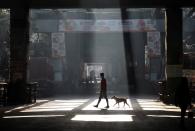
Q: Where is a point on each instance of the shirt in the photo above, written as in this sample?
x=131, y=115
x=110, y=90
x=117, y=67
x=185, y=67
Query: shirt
x=103, y=84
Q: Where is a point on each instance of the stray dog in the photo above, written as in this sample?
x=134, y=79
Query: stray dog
x=120, y=99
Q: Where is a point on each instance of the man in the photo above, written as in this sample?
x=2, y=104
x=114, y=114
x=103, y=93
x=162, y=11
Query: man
x=183, y=99
x=103, y=90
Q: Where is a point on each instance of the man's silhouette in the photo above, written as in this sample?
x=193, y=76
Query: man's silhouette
x=182, y=98
x=103, y=91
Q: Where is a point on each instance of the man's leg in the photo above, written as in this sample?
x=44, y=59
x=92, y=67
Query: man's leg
x=105, y=95
x=183, y=112
x=107, y=103
x=100, y=97
x=98, y=102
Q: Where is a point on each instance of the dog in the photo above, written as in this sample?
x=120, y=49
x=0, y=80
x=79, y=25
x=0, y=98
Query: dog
x=119, y=100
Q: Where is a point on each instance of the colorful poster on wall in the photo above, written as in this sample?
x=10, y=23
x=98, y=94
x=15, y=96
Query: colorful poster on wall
x=58, y=45
x=153, y=44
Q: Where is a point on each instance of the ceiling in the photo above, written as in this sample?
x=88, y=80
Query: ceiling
x=96, y=3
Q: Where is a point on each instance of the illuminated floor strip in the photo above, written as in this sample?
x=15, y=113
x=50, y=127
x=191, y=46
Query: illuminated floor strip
x=153, y=105
x=33, y=116
x=111, y=103
x=103, y=118
x=57, y=105
x=25, y=106
x=167, y=116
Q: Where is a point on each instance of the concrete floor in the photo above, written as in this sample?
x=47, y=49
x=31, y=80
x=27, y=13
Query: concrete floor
x=78, y=113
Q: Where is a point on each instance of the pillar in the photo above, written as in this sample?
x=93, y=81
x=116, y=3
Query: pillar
x=19, y=41
x=174, y=55
x=129, y=56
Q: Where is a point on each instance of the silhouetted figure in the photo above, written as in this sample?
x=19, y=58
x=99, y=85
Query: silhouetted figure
x=183, y=99
x=103, y=91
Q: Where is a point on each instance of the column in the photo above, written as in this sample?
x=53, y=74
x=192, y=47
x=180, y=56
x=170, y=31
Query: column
x=129, y=56
x=174, y=56
x=19, y=41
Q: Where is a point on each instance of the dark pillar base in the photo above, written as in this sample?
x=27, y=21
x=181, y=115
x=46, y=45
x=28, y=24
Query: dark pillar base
x=17, y=93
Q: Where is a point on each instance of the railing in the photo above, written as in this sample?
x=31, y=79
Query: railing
x=32, y=91
x=162, y=90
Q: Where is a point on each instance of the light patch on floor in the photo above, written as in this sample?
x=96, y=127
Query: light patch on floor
x=57, y=105
x=104, y=118
x=41, y=100
x=33, y=116
x=168, y=116
x=24, y=106
x=18, y=108
x=103, y=104
x=153, y=105
x=164, y=116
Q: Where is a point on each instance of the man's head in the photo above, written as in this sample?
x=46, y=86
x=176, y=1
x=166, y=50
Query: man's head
x=102, y=75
